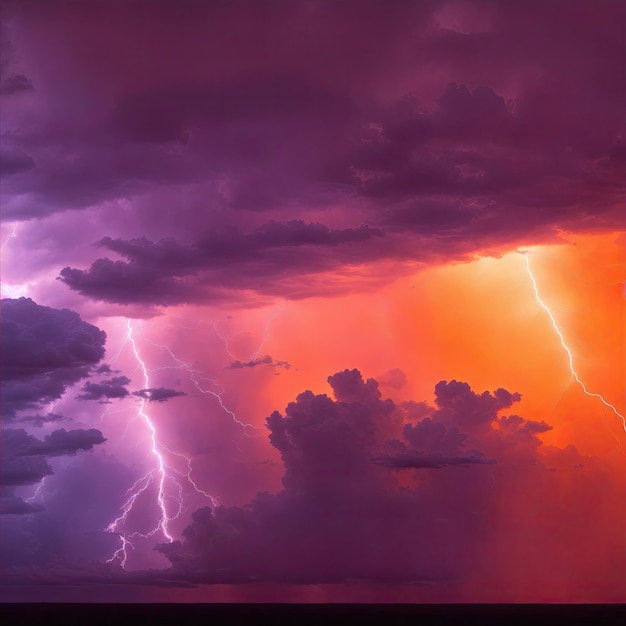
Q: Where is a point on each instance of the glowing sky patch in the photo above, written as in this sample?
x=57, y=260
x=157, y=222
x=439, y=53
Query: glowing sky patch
x=565, y=347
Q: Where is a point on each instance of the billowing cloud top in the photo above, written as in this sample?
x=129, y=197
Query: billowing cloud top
x=43, y=351
x=341, y=515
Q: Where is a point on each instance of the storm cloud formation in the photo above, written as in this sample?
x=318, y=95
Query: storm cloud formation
x=451, y=153
x=155, y=272
x=342, y=515
x=264, y=360
x=112, y=388
x=160, y=394
x=63, y=524
x=44, y=350
x=418, y=177
x=25, y=461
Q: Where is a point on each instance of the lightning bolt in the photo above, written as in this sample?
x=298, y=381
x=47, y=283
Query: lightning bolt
x=121, y=553
x=224, y=339
x=12, y=235
x=565, y=347
x=198, y=377
x=157, y=476
x=37, y=494
x=12, y=291
x=266, y=336
x=194, y=376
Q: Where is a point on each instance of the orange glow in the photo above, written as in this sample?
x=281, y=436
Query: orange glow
x=480, y=322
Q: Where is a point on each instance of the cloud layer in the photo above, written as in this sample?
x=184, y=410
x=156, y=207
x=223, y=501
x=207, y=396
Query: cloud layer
x=45, y=350
x=475, y=141
x=342, y=515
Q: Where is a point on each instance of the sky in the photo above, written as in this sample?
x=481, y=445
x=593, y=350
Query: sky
x=313, y=301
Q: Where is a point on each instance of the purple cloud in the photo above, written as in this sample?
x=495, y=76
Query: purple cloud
x=419, y=460
x=59, y=443
x=156, y=272
x=74, y=505
x=364, y=527
x=160, y=394
x=25, y=458
x=17, y=471
x=105, y=389
x=265, y=360
x=12, y=505
x=44, y=351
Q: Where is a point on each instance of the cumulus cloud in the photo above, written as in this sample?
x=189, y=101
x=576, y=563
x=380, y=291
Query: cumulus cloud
x=160, y=394
x=16, y=471
x=341, y=515
x=25, y=458
x=105, y=389
x=264, y=360
x=58, y=443
x=45, y=350
x=393, y=379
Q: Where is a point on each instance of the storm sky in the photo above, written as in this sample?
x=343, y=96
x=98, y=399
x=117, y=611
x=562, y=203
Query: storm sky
x=313, y=301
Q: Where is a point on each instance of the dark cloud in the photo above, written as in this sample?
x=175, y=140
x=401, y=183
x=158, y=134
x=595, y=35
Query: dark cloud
x=24, y=457
x=416, y=460
x=433, y=435
x=459, y=406
x=468, y=168
x=155, y=272
x=341, y=514
x=44, y=350
x=12, y=505
x=105, y=389
x=16, y=83
x=40, y=420
x=158, y=395
x=60, y=442
x=265, y=360
x=468, y=175
x=514, y=424
x=75, y=505
x=474, y=140
x=16, y=471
